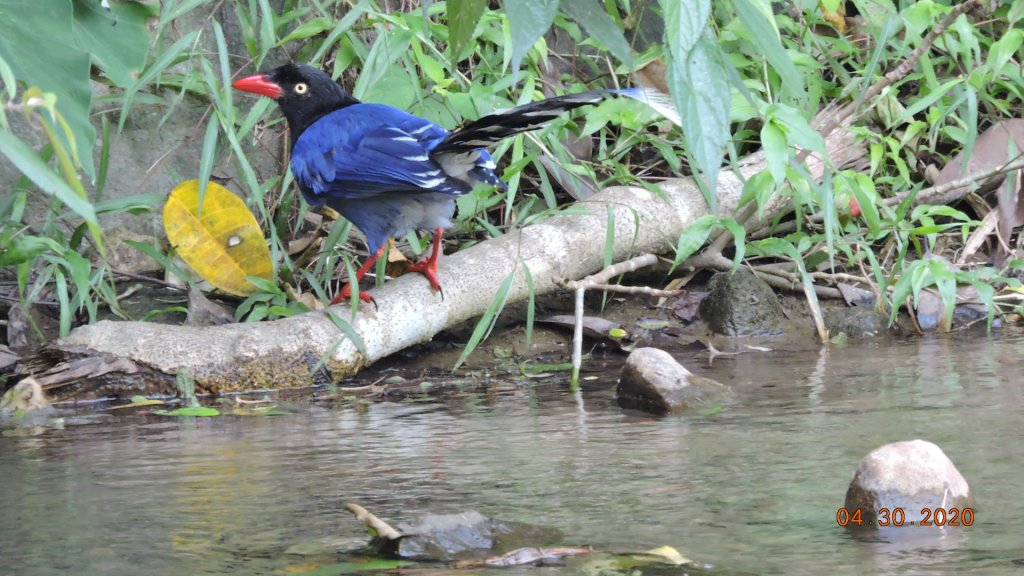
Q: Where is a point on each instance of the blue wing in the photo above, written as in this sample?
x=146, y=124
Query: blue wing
x=366, y=149
x=373, y=164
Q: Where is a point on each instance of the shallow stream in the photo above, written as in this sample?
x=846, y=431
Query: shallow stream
x=752, y=488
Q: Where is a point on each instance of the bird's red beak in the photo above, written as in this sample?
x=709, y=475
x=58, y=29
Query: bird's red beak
x=259, y=84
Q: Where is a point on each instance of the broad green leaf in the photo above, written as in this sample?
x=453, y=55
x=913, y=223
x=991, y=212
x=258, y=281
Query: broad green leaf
x=759, y=188
x=685, y=27
x=592, y=16
x=776, y=150
x=1003, y=49
x=389, y=47
x=115, y=37
x=528, y=20
x=463, y=16
x=739, y=235
x=693, y=238
x=35, y=41
x=765, y=36
x=25, y=248
x=945, y=281
x=224, y=244
x=701, y=92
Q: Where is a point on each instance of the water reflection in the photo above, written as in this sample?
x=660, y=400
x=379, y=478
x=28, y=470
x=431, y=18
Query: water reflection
x=754, y=487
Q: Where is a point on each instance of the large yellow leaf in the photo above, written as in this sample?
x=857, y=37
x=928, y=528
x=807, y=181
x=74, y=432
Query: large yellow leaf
x=223, y=243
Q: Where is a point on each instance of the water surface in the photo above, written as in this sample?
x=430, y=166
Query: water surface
x=753, y=488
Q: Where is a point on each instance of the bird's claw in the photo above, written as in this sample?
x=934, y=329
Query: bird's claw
x=428, y=268
x=346, y=294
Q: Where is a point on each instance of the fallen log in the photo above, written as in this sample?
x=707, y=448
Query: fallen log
x=286, y=353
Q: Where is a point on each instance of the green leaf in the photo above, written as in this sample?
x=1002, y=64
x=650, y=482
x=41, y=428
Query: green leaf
x=487, y=321
x=684, y=28
x=528, y=20
x=307, y=29
x=765, y=36
x=739, y=235
x=167, y=58
x=348, y=330
x=701, y=93
x=30, y=164
x=35, y=42
x=23, y=248
x=693, y=238
x=116, y=38
x=463, y=16
x=599, y=25
x=776, y=150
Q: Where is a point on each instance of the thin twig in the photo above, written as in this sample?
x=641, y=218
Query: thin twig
x=901, y=71
x=950, y=191
x=599, y=281
x=644, y=290
x=614, y=270
x=144, y=278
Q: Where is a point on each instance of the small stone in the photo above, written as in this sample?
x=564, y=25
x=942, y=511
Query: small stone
x=741, y=304
x=654, y=382
x=910, y=476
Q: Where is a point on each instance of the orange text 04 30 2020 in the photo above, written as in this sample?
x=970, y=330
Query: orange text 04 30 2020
x=898, y=517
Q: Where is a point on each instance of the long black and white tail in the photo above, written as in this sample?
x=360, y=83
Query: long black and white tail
x=500, y=125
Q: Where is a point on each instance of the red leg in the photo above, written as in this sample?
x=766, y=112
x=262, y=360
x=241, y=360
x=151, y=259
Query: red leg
x=346, y=291
x=428, y=266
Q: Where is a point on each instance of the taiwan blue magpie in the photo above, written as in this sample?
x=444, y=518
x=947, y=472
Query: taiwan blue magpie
x=387, y=171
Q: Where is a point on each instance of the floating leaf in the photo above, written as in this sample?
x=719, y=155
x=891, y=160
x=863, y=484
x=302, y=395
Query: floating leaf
x=222, y=242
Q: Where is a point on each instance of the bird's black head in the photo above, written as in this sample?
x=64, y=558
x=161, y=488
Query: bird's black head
x=303, y=92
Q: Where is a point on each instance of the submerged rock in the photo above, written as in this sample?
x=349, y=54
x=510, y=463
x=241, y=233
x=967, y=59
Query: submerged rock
x=915, y=477
x=448, y=537
x=740, y=304
x=856, y=322
x=654, y=382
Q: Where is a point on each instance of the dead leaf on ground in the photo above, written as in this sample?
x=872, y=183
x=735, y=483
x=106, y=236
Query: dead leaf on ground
x=685, y=307
x=855, y=295
x=1000, y=143
x=593, y=326
x=204, y=312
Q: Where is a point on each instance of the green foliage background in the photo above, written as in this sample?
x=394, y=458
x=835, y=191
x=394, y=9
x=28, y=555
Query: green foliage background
x=745, y=75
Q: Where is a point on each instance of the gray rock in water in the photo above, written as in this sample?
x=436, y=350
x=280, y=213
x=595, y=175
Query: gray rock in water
x=740, y=304
x=654, y=382
x=450, y=537
x=857, y=322
x=910, y=476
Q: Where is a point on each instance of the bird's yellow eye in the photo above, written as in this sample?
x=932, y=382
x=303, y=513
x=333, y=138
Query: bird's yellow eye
x=301, y=88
